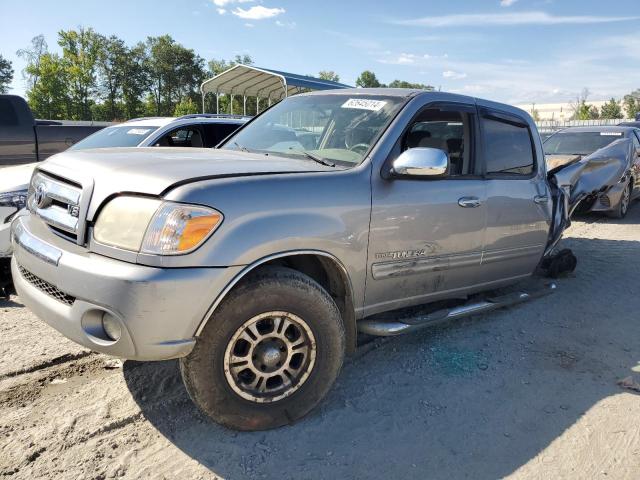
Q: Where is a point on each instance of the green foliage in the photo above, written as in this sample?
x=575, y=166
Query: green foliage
x=368, y=79
x=174, y=73
x=329, y=75
x=49, y=98
x=631, y=104
x=611, y=110
x=32, y=56
x=80, y=52
x=403, y=84
x=186, y=107
x=6, y=74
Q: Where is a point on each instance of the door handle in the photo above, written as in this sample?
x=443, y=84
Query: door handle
x=540, y=199
x=469, y=202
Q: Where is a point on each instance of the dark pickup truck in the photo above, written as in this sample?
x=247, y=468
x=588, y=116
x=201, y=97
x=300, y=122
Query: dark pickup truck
x=23, y=139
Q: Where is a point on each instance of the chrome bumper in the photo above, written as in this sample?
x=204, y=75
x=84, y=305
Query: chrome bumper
x=159, y=309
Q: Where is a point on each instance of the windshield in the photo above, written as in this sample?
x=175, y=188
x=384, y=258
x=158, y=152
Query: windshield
x=119, y=136
x=327, y=128
x=579, y=143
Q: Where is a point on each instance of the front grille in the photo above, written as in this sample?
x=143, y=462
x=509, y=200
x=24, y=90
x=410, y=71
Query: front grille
x=57, y=202
x=46, y=287
x=605, y=201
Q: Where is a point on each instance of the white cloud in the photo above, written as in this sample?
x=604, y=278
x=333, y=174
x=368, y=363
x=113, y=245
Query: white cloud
x=223, y=4
x=286, y=24
x=507, y=3
x=249, y=25
x=509, y=19
x=257, y=12
x=454, y=75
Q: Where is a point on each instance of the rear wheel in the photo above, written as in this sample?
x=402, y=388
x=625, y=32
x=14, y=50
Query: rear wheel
x=623, y=205
x=269, y=353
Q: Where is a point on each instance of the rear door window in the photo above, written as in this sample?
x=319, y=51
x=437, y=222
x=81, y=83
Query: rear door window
x=8, y=115
x=508, y=148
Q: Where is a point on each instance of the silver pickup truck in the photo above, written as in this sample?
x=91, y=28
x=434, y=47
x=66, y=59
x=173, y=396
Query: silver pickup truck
x=257, y=263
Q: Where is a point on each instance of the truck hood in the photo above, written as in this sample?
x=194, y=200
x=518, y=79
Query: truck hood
x=155, y=170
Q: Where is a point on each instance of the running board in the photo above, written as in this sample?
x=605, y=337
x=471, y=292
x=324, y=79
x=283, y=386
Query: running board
x=389, y=328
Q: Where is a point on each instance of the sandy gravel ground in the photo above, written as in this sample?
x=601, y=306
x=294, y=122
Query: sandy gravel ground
x=530, y=392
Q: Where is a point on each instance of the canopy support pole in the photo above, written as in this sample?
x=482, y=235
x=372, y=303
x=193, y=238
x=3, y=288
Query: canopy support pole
x=217, y=102
x=231, y=105
x=244, y=105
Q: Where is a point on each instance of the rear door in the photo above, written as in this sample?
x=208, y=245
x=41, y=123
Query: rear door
x=518, y=197
x=426, y=235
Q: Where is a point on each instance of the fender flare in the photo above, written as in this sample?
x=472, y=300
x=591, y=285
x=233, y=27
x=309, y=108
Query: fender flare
x=250, y=267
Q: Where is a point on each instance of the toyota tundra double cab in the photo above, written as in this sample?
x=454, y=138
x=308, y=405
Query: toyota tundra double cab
x=257, y=263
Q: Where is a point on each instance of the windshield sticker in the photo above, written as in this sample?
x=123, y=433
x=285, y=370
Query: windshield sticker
x=138, y=131
x=364, y=104
x=610, y=134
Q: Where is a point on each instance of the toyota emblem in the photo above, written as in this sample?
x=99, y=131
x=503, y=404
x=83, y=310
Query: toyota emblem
x=40, y=196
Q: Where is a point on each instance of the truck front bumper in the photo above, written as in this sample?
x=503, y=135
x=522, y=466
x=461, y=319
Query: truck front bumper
x=158, y=309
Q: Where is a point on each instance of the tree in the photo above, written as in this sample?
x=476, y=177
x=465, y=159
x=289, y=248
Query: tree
x=329, y=75
x=32, y=56
x=632, y=103
x=367, y=79
x=611, y=110
x=174, y=72
x=186, y=107
x=135, y=80
x=535, y=114
x=404, y=84
x=80, y=52
x=6, y=74
x=112, y=68
x=48, y=98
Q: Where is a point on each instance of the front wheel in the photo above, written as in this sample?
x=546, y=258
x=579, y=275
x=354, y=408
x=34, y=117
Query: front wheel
x=623, y=205
x=269, y=354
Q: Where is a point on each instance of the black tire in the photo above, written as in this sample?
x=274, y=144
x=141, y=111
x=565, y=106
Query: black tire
x=623, y=205
x=271, y=289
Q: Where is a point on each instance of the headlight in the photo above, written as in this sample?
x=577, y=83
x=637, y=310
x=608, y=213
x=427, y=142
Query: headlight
x=13, y=200
x=153, y=226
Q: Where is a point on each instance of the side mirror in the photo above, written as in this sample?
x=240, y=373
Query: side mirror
x=421, y=162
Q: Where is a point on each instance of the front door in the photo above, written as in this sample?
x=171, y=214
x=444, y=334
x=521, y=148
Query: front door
x=426, y=236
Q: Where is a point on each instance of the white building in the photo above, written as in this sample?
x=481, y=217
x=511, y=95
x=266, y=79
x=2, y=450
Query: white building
x=560, y=112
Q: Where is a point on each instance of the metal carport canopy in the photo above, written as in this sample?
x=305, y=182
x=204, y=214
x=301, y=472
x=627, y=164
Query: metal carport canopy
x=274, y=85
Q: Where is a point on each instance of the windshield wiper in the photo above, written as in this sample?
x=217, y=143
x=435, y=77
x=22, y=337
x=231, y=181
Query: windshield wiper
x=317, y=158
x=240, y=147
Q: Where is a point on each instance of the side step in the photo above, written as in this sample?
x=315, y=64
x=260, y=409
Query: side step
x=388, y=328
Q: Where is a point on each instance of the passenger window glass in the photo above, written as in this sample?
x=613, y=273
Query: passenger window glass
x=507, y=147
x=182, y=137
x=447, y=131
x=636, y=143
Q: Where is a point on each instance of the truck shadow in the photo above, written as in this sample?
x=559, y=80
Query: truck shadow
x=476, y=399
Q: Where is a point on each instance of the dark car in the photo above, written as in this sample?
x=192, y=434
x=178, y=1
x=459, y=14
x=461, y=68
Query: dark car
x=571, y=145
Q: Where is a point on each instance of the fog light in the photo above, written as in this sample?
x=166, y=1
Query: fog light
x=111, y=327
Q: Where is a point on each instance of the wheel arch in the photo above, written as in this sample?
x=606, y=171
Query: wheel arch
x=321, y=266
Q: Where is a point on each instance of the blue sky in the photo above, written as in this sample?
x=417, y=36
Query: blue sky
x=515, y=51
